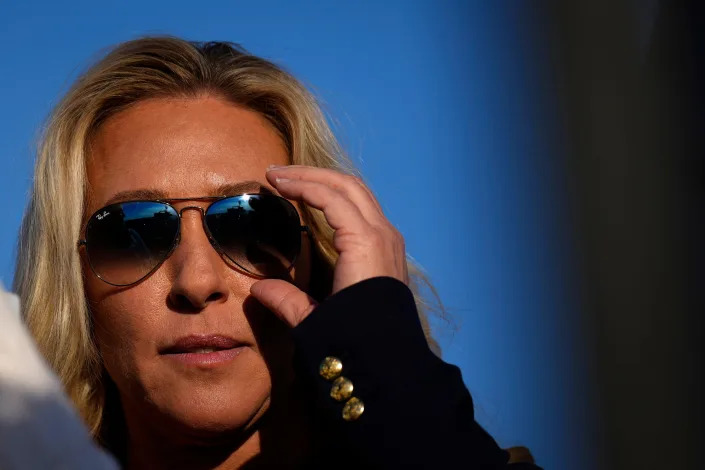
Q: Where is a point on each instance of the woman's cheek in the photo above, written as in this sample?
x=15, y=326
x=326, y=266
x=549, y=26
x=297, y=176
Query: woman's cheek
x=123, y=331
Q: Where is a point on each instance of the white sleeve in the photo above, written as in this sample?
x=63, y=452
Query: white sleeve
x=38, y=426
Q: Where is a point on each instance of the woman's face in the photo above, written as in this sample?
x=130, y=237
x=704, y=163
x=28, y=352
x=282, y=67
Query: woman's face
x=185, y=148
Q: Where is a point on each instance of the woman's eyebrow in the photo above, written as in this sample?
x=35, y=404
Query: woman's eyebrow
x=230, y=189
x=227, y=189
x=136, y=194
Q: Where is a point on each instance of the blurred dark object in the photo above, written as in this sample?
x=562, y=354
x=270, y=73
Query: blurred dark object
x=631, y=85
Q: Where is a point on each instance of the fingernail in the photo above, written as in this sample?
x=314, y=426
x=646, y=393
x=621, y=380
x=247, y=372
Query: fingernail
x=273, y=167
x=282, y=180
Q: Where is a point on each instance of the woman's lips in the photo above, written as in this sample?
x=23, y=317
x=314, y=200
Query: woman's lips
x=203, y=350
x=206, y=358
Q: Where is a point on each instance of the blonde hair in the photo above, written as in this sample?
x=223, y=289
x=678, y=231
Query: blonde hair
x=49, y=277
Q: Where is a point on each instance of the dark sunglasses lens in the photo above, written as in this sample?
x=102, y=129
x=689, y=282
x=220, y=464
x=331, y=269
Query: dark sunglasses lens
x=261, y=233
x=125, y=242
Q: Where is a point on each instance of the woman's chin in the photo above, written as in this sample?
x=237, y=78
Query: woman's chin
x=192, y=414
x=211, y=418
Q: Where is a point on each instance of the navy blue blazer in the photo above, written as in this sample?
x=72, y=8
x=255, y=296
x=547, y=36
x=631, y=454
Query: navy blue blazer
x=417, y=411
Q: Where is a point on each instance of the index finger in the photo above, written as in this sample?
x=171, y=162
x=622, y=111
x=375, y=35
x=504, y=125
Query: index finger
x=350, y=186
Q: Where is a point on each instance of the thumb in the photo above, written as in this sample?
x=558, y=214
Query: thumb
x=287, y=301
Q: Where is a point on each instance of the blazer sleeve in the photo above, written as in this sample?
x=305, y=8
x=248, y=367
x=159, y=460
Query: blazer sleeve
x=417, y=411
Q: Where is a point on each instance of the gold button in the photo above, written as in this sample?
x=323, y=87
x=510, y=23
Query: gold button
x=342, y=389
x=330, y=368
x=353, y=409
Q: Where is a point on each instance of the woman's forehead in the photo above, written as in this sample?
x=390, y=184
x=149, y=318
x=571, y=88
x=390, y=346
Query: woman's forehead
x=181, y=147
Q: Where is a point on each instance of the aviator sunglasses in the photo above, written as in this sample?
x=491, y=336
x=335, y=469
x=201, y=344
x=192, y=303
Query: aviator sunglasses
x=259, y=233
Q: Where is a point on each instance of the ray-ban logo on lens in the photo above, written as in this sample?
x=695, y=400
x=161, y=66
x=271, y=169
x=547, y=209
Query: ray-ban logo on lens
x=104, y=214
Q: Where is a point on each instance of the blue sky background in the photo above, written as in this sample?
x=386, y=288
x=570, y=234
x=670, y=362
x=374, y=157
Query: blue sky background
x=448, y=112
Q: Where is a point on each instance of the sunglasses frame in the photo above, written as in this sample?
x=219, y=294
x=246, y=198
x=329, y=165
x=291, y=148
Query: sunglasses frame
x=177, y=238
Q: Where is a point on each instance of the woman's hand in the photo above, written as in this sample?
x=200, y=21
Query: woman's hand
x=368, y=244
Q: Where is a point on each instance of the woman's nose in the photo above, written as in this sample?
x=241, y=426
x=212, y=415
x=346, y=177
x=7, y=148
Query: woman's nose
x=197, y=269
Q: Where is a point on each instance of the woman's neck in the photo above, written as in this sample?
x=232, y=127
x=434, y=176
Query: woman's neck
x=146, y=452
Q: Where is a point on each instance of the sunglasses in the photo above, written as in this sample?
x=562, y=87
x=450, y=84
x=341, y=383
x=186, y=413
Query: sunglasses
x=259, y=233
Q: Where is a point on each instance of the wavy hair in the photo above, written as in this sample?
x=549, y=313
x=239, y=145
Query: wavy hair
x=49, y=276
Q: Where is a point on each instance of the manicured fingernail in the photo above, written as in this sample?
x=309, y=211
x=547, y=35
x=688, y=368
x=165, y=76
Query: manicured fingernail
x=282, y=180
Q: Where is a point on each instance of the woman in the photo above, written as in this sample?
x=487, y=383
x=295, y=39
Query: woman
x=199, y=319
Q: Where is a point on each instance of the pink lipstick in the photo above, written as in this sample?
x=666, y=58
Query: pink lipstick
x=207, y=350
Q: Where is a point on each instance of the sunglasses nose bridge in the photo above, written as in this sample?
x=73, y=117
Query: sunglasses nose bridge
x=203, y=218
x=203, y=212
